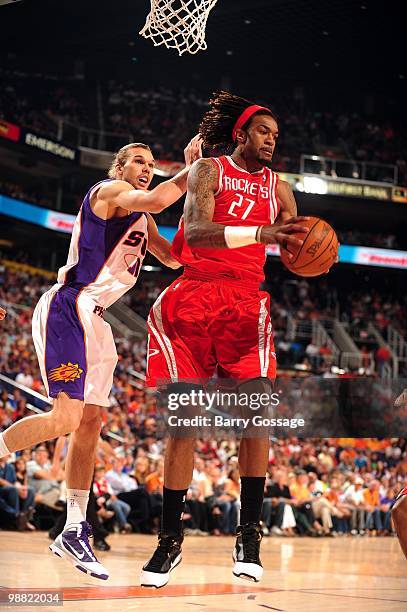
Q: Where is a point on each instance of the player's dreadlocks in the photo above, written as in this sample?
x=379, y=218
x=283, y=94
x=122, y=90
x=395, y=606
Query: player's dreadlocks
x=218, y=122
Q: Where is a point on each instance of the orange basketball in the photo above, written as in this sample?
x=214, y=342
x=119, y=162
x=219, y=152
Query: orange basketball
x=318, y=251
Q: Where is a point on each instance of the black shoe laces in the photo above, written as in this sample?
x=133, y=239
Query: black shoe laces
x=251, y=538
x=162, y=552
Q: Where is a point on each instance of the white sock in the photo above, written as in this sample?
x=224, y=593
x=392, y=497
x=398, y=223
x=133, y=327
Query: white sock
x=3, y=448
x=76, y=504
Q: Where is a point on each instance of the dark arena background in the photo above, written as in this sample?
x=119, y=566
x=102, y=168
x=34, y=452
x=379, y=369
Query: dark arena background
x=77, y=82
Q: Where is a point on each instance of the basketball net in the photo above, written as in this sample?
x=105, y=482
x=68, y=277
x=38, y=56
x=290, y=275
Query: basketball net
x=178, y=24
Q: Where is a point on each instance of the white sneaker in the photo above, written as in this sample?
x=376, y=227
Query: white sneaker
x=246, y=552
x=73, y=544
x=277, y=531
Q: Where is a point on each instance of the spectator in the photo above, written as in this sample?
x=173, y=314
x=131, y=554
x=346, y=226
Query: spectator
x=25, y=377
x=232, y=491
x=382, y=357
x=303, y=498
x=386, y=503
x=46, y=477
x=142, y=469
x=313, y=353
x=322, y=508
x=354, y=499
x=106, y=498
x=372, y=506
x=277, y=508
x=126, y=489
x=16, y=500
x=366, y=356
x=218, y=502
x=342, y=513
x=360, y=461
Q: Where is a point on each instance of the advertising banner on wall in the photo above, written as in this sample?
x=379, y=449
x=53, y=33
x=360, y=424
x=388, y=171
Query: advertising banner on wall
x=24, y=211
x=62, y=222
x=8, y=130
x=48, y=145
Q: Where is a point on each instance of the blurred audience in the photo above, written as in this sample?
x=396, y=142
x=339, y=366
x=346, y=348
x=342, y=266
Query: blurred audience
x=167, y=118
x=318, y=487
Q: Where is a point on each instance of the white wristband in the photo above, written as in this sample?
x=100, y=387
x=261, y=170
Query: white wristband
x=240, y=236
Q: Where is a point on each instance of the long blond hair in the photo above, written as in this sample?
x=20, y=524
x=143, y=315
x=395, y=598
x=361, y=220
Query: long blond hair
x=121, y=156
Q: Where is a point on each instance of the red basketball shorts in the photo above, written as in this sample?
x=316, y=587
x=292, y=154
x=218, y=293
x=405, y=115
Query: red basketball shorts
x=198, y=327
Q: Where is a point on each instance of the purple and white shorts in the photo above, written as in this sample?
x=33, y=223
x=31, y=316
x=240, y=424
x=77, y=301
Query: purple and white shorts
x=74, y=345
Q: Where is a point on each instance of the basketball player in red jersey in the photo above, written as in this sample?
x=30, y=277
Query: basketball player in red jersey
x=214, y=316
x=399, y=510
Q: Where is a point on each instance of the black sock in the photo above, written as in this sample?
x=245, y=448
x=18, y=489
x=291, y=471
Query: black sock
x=251, y=498
x=173, y=508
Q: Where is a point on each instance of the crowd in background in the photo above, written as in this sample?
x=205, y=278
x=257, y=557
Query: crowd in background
x=167, y=119
x=314, y=487
x=357, y=237
x=27, y=193
x=294, y=302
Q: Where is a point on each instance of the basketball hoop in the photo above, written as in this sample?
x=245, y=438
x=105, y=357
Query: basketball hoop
x=178, y=24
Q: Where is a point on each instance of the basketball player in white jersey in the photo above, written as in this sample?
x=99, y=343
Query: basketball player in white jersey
x=74, y=344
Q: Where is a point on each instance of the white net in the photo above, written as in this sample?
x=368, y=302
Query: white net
x=178, y=24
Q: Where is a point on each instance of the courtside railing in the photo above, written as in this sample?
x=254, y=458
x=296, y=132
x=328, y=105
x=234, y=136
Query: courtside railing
x=349, y=169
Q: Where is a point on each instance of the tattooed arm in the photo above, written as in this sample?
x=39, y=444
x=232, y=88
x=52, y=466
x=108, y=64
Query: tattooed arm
x=201, y=231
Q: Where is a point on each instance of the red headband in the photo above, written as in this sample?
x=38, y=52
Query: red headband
x=245, y=116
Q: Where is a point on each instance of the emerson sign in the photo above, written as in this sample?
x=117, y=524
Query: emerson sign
x=49, y=146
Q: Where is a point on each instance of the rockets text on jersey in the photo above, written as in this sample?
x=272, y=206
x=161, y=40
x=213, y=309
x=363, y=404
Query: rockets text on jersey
x=242, y=198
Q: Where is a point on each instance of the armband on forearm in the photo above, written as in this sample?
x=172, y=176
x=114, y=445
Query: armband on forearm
x=240, y=236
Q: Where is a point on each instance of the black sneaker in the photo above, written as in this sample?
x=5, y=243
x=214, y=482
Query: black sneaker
x=167, y=555
x=101, y=544
x=246, y=552
x=21, y=521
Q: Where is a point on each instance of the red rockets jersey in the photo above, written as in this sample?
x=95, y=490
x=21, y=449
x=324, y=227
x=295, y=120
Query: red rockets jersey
x=242, y=198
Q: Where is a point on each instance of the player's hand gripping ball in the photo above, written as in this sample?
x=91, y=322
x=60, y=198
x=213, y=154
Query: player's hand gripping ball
x=318, y=252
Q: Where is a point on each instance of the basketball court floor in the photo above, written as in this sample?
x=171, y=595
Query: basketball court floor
x=358, y=574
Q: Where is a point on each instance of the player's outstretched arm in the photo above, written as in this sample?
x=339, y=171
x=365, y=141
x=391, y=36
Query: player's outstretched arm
x=201, y=231
x=159, y=246
x=120, y=194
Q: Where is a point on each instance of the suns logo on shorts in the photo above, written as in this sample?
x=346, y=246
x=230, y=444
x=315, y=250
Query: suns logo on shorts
x=67, y=372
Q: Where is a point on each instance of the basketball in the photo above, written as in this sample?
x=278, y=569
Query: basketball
x=317, y=253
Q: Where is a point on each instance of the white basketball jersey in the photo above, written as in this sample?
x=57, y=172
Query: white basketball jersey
x=105, y=256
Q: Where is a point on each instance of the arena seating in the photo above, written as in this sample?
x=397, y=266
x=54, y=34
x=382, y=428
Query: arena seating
x=321, y=474
x=154, y=116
